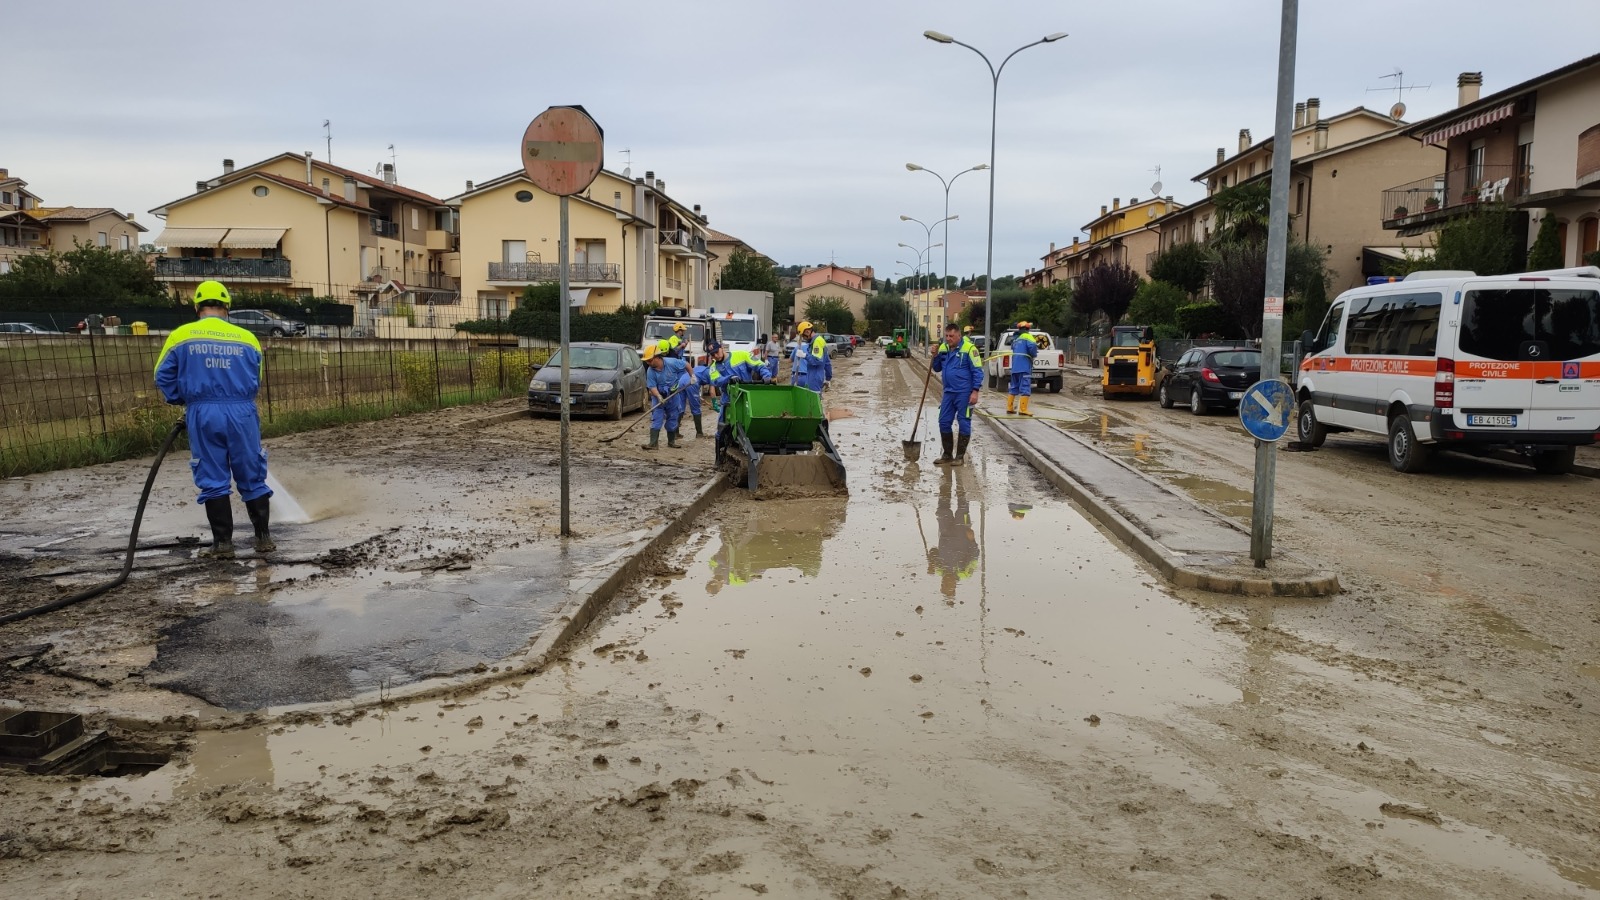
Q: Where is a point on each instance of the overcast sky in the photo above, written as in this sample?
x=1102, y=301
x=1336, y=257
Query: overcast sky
x=789, y=122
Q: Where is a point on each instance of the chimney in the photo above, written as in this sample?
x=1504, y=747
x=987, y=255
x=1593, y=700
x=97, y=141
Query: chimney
x=616, y=198
x=1468, y=86
x=1116, y=203
x=1075, y=240
x=326, y=192
x=5, y=173
x=1102, y=209
x=1313, y=111
x=661, y=185
x=1052, y=246
x=1133, y=201
x=1221, y=155
x=649, y=177
x=227, y=167
x=1244, y=139
x=469, y=185
x=1320, y=142
x=350, y=187
x=200, y=186
x=697, y=212
x=309, y=178
x=1299, y=115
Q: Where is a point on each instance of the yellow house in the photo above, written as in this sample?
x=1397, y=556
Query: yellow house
x=301, y=226
x=72, y=226
x=720, y=247
x=631, y=243
x=1120, y=234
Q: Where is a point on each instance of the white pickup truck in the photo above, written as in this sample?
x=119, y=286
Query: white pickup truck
x=1047, y=366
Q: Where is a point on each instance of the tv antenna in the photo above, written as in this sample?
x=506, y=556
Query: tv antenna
x=627, y=163
x=394, y=160
x=1155, y=189
x=1400, y=87
x=327, y=133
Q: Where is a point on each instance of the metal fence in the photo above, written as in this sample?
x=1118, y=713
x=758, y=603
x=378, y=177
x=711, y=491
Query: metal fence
x=75, y=399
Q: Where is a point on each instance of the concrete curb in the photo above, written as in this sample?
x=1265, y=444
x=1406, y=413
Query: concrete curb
x=582, y=606
x=1172, y=567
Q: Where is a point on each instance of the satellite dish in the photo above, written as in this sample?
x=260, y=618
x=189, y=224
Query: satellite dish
x=1156, y=189
x=1396, y=111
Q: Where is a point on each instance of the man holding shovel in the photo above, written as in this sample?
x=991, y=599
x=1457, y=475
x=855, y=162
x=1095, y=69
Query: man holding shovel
x=961, y=369
x=666, y=380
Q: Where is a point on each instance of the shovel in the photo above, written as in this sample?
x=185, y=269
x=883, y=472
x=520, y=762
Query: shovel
x=913, y=447
x=642, y=416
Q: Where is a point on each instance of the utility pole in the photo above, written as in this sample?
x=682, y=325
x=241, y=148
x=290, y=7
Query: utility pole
x=1277, y=255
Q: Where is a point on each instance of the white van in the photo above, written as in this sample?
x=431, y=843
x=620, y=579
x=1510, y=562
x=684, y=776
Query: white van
x=1452, y=360
x=661, y=325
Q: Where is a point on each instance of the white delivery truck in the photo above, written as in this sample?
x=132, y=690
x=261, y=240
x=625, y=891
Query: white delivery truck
x=1457, y=361
x=1047, y=365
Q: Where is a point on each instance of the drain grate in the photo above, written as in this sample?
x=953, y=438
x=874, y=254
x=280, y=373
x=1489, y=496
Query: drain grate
x=49, y=743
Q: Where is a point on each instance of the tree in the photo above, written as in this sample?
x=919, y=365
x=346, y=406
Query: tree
x=745, y=271
x=1487, y=240
x=1107, y=288
x=1184, y=266
x=1546, y=252
x=1242, y=211
x=1156, y=304
x=542, y=297
x=885, y=312
x=83, y=277
x=1051, y=310
x=833, y=312
x=1238, y=282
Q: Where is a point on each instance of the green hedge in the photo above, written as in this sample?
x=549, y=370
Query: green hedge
x=619, y=327
x=1196, y=319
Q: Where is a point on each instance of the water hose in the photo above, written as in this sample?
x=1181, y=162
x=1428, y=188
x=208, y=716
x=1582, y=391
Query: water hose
x=133, y=544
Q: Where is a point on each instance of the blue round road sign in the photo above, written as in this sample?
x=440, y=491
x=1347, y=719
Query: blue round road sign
x=1267, y=409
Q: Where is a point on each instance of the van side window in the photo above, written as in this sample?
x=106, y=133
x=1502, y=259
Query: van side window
x=1367, y=317
x=1412, y=328
x=1330, y=328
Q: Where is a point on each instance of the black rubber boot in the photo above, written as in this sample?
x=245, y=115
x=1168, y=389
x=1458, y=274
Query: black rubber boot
x=219, y=513
x=260, y=511
x=699, y=430
x=946, y=440
x=672, y=439
x=961, y=450
x=655, y=440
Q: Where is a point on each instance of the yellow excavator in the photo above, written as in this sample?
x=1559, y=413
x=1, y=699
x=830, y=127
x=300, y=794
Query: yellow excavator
x=1129, y=366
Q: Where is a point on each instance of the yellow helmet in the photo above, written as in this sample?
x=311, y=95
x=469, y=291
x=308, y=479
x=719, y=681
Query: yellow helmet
x=679, y=328
x=1024, y=325
x=650, y=352
x=212, y=292
x=804, y=327
x=967, y=330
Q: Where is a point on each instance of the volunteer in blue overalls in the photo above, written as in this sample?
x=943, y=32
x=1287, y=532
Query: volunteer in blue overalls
x=212, y=367
x=961, y=368
x=666, y=379
x=1023, y=349
x=739, y=367
x=674, y=346
x=811, y=366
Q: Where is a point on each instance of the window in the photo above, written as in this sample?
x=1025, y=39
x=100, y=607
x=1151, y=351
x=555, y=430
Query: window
x=415, y=221
x=1299, y=197
x=1412, y=326
x=1329, y=332
x=261, y=190
x=1531, y=323
x=100, y=239
x=5, y=197
x=124, y=243
x=513, y=251
x=1475, y=164
x=1367, y=316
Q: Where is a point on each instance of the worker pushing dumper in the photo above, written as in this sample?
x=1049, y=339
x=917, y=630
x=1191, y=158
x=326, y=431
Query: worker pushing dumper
x=961, y=368
x=667, y=378
x=1024, y=347
x=212, y=368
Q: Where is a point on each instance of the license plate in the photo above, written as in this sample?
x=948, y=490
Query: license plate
x=1493, y=421
x=1235, y=395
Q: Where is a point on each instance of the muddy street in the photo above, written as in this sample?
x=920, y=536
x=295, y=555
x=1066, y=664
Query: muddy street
x=950, y=683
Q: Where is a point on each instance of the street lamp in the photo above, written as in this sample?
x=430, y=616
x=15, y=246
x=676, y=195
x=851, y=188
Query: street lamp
x=924, y=255
x=905, y=317
x=913, y=167
x=928, y=231
x=994, y=103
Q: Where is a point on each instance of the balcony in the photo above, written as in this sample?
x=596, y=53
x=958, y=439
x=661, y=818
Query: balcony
x=383, y=227
x=674, y=284
x=443, y=241
x=681, y=242
x=194, y=268
x=536, y=273
x=1429, y=200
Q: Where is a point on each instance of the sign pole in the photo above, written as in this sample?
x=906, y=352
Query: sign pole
x=566, y=376
x=1277, y=256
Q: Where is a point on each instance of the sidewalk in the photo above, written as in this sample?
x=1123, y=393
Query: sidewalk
x=1190, y=545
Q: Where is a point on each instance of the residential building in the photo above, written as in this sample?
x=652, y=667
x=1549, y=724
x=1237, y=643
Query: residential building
x=852, y=285
x=720, y=247
x=1534, y=146
x=631, y=243
x=1120, y=234
x=21, y=231
x=100, y=226
x=298, y=225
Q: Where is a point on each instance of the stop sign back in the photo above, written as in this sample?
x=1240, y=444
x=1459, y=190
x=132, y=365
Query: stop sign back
x=563, y=150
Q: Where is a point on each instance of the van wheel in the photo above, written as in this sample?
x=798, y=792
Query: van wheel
x=1406, y=453
x=1555, y=462
x=1197, y=403
x=1312, y=432
x=1164, y=396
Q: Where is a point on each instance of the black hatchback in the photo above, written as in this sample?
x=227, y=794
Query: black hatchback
x=1208, y=378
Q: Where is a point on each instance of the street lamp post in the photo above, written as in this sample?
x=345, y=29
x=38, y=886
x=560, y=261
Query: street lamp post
x=926, y=253
x=928, y=230
x=913, y=167
x=994, y=104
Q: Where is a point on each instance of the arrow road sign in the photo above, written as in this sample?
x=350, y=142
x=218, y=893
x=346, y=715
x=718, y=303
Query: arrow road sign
x=1267, y=409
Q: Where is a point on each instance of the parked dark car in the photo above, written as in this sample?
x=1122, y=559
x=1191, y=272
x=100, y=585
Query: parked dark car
x=265, y=322
x=1209, y=378
x=606, y=378
x=839, y=344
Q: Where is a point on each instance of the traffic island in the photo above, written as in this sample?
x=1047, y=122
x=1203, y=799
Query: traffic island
x=1190, y=546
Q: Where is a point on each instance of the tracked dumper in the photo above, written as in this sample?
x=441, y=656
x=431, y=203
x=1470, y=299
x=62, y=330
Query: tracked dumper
x=776, y=438
x=1129, y=367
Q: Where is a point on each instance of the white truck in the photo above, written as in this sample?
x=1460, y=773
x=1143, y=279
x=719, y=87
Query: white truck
x=1047, y=366
x=697, y=329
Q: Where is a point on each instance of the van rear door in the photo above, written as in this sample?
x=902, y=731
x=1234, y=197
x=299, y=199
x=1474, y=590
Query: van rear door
x=1497, y=348
x=1566, y=390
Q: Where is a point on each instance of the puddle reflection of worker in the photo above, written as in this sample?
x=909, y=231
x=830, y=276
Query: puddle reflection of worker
x=1018, y=510
x=956, y=556
x=759, y=543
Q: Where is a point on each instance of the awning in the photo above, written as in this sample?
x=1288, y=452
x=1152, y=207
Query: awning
x=1473, y=123
x=253, y=238
x=190, y=237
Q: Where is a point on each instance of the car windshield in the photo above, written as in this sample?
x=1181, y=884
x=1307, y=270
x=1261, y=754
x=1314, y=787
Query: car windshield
x=660, y=330
x=1237, y=359
x=740, y=330
x=1531, y=323
x=588, y=358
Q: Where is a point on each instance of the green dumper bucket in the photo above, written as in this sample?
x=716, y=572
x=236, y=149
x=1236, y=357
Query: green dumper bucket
x=781, y=433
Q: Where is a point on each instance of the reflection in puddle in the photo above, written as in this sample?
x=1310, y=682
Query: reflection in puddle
x=777, y=534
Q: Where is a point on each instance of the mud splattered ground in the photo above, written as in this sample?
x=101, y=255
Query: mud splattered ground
x=949, y=685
